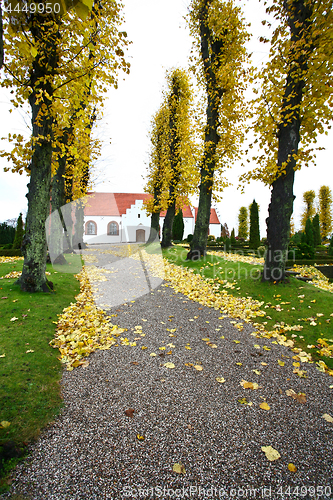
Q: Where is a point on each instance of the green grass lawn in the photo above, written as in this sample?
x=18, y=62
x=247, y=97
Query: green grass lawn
x=298, y=300
x=30, y=392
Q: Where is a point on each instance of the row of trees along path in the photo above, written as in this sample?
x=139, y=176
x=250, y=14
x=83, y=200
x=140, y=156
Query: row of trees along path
x=286, y=115
x=61, y=63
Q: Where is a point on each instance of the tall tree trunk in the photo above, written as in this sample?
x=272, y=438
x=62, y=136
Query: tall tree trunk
x=282, y=196
x=201, y=228
x=175, y=161
x=167, y=226
x=154, y=227
x=33, y=277
x=209, y=53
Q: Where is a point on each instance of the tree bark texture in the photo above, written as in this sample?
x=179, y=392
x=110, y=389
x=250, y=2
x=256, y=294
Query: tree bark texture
x=282, y=196
x=154, y=227
x=33, y=277
x=175, y=161
x=167, y=226
x=210, y=50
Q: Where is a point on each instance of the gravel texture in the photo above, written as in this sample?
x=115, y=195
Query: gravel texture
x=185, y=416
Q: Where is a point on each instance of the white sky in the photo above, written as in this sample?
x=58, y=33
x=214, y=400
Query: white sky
x=160, y=41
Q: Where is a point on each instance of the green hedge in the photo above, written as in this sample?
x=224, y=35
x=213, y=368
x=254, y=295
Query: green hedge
x=10, y=253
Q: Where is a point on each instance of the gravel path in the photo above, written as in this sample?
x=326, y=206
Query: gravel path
x=184, y=415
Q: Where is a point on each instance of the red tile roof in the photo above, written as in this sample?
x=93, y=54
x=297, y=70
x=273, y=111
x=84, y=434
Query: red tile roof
x=186, y=212
x=117, y=203
x=213, y=216
x=111, y=203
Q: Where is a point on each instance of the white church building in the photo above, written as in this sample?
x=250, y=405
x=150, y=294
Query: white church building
x=122, y=218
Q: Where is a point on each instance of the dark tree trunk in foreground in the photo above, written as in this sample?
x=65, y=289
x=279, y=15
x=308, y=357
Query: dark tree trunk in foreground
x=210, y=51
x=201, y=229
x=33, y=277
x=175, y=161
x=155, y=216
x=282, y=197
x=154, y=227
x=167, y=226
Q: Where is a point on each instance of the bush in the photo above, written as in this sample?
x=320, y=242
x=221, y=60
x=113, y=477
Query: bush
x=211, y=237
x=303, y=251
x=11, y=253
x=261, y=250
x=211, y=243
x=189, y=238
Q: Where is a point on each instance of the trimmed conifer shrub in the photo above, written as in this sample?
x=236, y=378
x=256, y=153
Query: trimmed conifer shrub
x=254, y=226
x=178, y=226
x=18, y=234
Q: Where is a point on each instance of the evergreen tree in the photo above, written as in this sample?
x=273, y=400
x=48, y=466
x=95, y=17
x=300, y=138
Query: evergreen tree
x=254, y=226
x=308, y=234
x=178, y=226
x=316, y=230
x=325, y=211
x=18, y=233
x=232, y=237
x=243, y=228
x=7, y=233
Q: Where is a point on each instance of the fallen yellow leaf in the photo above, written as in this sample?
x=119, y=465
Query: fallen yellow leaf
x=264, y=406
x=327, y=417
x=220, y=379
x=169, y=365
x=270, y=453
x=281, y=363
x=179, y=468
x=292, y=467
x=198, y=367
x=249, y=385
x=4, y=424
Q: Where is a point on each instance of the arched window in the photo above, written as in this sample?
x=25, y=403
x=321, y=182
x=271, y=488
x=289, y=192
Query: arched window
x=113, y=228
x=91, y=227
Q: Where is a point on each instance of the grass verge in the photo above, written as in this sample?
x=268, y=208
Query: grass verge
x=30, y=372
x=293, y=303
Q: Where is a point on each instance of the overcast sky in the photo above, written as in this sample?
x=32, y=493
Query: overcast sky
x=160, y=41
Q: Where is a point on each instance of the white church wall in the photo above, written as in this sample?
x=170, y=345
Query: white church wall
x=101, y=235
x=215, y=230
